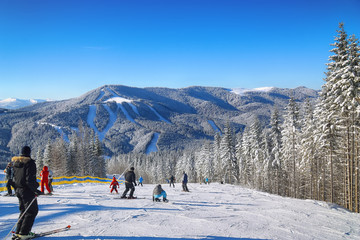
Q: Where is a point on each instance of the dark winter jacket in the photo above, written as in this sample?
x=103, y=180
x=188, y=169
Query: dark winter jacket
x=158, y=190
x=130, y=177
x=25, y=173
x=185, y=179
x=172, y=179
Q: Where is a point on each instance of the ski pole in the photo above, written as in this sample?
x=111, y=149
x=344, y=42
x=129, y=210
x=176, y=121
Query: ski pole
x=21, y=216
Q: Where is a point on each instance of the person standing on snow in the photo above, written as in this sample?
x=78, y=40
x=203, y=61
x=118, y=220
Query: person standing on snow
x=9, y=174
x=184, y=183
x=172, y=180
x=158, y=193
x=130, y=179
x=50, y=180
x=45, y=179
x=141, y=181
x=114, y=185
x=26, y=191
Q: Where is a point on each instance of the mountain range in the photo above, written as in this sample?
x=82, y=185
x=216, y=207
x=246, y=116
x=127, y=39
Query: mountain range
x=16, y=103
x=129, y=119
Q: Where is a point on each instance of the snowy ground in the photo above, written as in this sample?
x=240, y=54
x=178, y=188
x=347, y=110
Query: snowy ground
x=207, y=212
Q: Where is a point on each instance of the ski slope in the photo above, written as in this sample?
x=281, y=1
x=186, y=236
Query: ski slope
x=212, y=211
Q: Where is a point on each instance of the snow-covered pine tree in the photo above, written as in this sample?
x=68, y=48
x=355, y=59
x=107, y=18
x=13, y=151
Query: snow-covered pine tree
x=204, y=162
x=47, y=154
x=275, y=156
x=39, y=161
x=290, y=148
x=58, y=157
x=218, y=168
x=228, y=156
x=308, y=166
x=245, y=162
x=257, y=153
x=333, y=104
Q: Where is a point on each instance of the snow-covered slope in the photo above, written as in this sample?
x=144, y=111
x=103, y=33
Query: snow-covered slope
x=15, y=103
x=212, y=211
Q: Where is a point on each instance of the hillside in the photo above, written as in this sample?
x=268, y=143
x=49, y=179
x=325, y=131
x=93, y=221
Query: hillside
x=215, y=211
x=129, y=119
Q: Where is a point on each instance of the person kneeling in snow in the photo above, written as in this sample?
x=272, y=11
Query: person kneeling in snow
x=114, y=185
x=158, y=193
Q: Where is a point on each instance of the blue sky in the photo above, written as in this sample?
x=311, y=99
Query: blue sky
x=60, y=49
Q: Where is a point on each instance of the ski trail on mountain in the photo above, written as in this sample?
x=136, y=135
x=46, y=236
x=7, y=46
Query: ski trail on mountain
x=161, y=118
x=152, y=145
x=91, y=117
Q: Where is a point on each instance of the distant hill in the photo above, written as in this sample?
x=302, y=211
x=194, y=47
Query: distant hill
x=16, y=103
x=129, y=119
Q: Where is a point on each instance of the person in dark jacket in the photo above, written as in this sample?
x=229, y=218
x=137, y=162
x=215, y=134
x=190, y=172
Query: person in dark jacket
x=26, y=191
x=172, y=180
x=130, y=181
x=9, y=174
x=184, y=183
x=158, y=193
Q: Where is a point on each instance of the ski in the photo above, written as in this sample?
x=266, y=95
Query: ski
x=42, y=234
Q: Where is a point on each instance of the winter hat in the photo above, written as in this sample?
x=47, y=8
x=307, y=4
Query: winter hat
x=132, y=168
x=25, y=151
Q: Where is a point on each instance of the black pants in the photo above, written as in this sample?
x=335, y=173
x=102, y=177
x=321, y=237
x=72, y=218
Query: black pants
x=129, y=186
x=184, y=186
x=26, y=198
x=172, y=183
x=10, y=184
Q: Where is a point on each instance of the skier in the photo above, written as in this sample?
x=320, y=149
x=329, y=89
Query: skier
x=207, y=181
x=158, y=193
x=114, y=185
x=184, y=183
x=45, y=179
x=129, y=183
x=50, y=179
x=172, y=180
x=26, y=191
x=9, y=174
x=141, y=181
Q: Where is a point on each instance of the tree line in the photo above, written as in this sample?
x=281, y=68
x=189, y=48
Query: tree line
x=82, y=155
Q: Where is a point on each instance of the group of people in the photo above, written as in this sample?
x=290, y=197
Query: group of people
x=130, y=184
x=21, y=175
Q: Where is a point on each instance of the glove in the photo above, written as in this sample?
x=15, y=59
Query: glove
x=135, y=184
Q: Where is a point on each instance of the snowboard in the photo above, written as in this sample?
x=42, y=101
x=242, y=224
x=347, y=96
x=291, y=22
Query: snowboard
x=43, y=234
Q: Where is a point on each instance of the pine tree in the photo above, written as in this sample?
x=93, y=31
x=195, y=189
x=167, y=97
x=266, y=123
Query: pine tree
x=308, y=166
x=275, y=155
x=290, y=148
x=228, y=156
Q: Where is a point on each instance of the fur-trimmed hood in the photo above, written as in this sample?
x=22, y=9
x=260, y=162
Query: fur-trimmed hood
x=21, y=159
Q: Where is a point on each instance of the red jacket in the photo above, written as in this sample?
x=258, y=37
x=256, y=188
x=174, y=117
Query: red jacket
x=114, y=183
x=44, y=174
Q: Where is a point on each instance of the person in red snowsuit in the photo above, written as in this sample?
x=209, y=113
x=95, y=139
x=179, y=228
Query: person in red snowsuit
x=45, y=179
x=114, y=185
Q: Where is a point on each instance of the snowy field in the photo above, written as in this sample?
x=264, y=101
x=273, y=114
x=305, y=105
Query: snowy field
x=212, y=211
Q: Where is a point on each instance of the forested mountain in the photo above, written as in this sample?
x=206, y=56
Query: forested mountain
x=128, y=119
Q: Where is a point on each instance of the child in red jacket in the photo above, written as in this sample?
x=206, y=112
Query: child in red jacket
x=45, y=179
x=114, y=184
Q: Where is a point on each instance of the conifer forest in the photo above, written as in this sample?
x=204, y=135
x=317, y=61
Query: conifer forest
x=307, y=151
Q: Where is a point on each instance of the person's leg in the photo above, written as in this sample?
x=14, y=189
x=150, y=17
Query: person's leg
x=30, y=215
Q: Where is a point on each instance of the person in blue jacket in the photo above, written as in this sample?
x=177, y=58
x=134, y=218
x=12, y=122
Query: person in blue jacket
x=141, y=181
x=158, y=193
